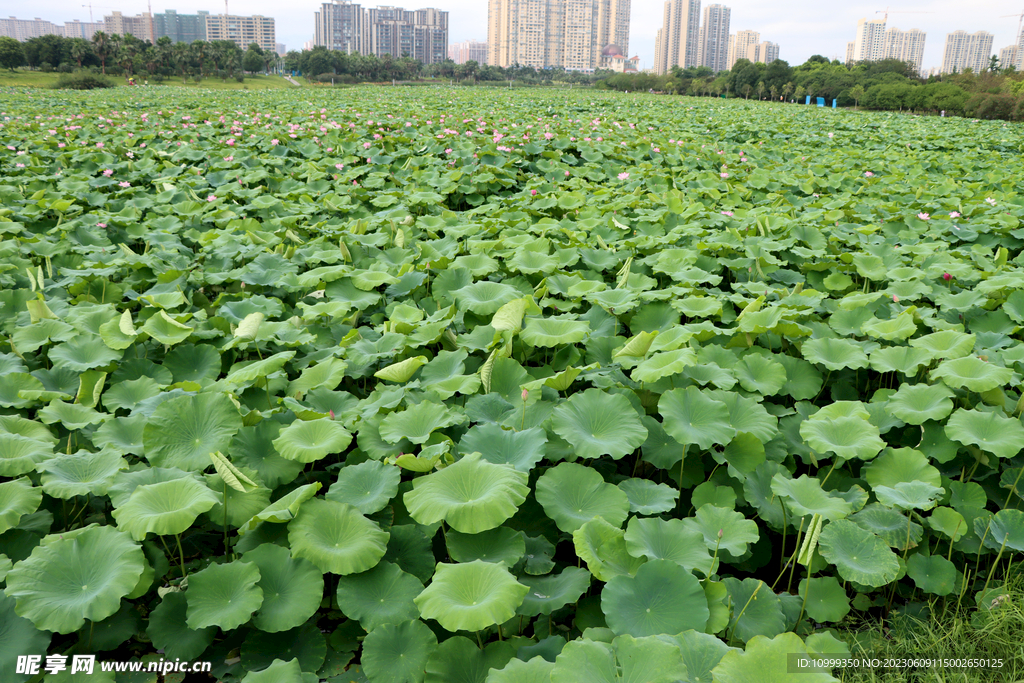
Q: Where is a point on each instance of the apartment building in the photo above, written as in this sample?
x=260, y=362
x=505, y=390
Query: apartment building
x=869, y=44
x=421, y=34
x=468, y=50
x=965, y=50
x=23, y=29
x=242, y=31
x=82, y=29
x=713, y=38
x=140, y=25
x=678, y=39
x=341, y=25
x=180, y=28
x=906, y=46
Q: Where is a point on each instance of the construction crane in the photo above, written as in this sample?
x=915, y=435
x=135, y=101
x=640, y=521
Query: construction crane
x=90, y=6
x=1020, y=18
x=885, y=12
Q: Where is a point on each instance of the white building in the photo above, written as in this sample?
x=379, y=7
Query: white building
x=967, y=51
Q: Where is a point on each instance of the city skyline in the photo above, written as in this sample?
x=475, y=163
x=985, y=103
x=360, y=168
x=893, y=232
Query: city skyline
x=803, y=28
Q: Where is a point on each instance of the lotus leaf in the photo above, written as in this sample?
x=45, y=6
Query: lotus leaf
x=603, y=547
x=572, y=495
x=292, y=588
x=398, y=653
x=378, y=596
x=495, y=545
x=858, y=554
x=183, y=431
x=662, y=597
x=471, y=596
x=649, y=659
x=224, y=595
x=367, y=486
x=596, y=423
x=17, y=498
x=335, y=537
x=691, y=417
x=164, y=508
x=988, y=431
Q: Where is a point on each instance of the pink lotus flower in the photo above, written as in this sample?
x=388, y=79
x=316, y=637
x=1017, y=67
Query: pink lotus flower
x=99, y=145
x=727, y=213
x=533, y=193
x=229, y=158
x=231, y=142
x=623, y=176
x=954, y=214
x=101, y=225
x=895, y=298
x=20, y=165
x=211, y=198
x=868, y=174
x=831, y=134
x=924, y=216
x=367, y=145
x=275, y=141
x=125, y=183
x=566, y=174
x=990, y=201
x=108, y=172
x=339, y=166
x=724, y=175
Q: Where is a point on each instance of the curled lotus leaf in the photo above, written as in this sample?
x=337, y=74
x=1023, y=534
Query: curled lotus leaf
x=471, y=595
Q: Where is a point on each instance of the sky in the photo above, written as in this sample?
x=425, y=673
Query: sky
x=801, y=27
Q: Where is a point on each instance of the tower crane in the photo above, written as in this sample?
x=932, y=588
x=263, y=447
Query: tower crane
x=90, y=6
x=1020, y=18
x=885, y=13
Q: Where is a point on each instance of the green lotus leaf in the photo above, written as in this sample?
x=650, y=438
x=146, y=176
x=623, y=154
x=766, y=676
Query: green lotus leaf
x=250, y=371
x=647, y=497
x=15, y=424
x=166, y=508
x=253, y=447
x=17, y=498
x=130, y=394
x=932, y=573
x=946, y=344
x=597, y=423
x=283, y=509
x=756, y=610
x=199, y=363
x=292, y=588
x=183, y=431
x=835, y=354
x=522, y=449
x=336, y=538
x=20, y=454
x=549, y=593
x=401, y=371
x=603, y=547
x=281, y=671
x=510, y=316
x=971, y=373
x=908, y=495
x=760, y=374
x=650, y=659
x=224, y=595
x=804, y=496
x=846, y=437
x=309, y=441
x=891, y=525
x=471, y=596
x=736, y=531
x=166, y=329
x=79, y=474
x=367, y=486
x=701, y=653
x=663, y=364
x=948, y=522
x=71, y=415
x=70, y=578
x=573, y=494
x=1006, y=530
x=121, y=434
x=988, y=431
x=691, y=417
x=663, y=597
x=826, y=600
x=484, y=297
x=858, y=554
x=20, y=390
x=381, y=595
x=472, y=495
x=894, y=329
x=553, y=331
x=460, y=660
x=371, y=279
x=168, y=631
x=418, y=422
x=536, y=670
x=903, y=359
x=28, y=338
x=897, y=465
x=766, y=661
x=917, y=403
x=668, y=539
x=17, y=637
x=82, y=353
x=398, y=653
x=326, y=374
x=495, y=545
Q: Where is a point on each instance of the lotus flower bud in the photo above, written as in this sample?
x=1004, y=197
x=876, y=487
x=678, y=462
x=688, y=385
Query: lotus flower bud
x=947, y=277
x=526, y=394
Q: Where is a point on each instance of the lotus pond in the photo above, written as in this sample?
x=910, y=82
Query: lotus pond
x=403, y=385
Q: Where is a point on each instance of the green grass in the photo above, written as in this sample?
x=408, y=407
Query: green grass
x=996, y=633
x=37, y=79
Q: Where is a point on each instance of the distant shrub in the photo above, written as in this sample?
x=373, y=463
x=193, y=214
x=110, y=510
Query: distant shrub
x=82, y=80
x=66, y=67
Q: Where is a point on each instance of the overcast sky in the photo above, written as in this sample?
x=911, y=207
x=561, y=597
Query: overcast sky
x=801, y=27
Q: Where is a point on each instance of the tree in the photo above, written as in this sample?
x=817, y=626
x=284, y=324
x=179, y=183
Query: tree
x=800, y=92
x=760, y=89
x=993, y=64
x=101, y=46
x=11, y=54
x=857, y=92
x=746, y=90
x=253, y=61
x=787, y=90
x=80, y=49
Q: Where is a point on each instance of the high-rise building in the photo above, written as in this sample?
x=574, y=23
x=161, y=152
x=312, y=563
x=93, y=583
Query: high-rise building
x=181, y=28
x=850, y=46
x=242, y=31
x=742, y=45
x=579, y=35
x=869, y=45
x=341, y=25
x=140, y=25
x=1009, y=56
x=468, y=50
x=420, y=34
x=678, y=39
x=23, y=29
x=767, y=52
x=713, y=39
x=966, y=51
x=81, y=29
x=906, y=46
x=280, y=49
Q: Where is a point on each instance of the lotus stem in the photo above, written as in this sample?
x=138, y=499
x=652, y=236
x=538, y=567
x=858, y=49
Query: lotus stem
x=1013, y=489
x=225, y=519
x=752, y=596
x=803, y=605
x=181, y=556
x=995, y=563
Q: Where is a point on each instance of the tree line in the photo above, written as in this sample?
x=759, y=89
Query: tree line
x=887, y=85
x=129, y=56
